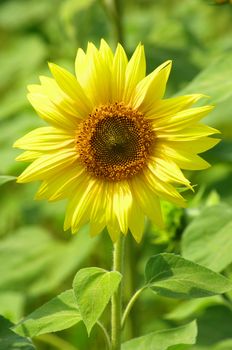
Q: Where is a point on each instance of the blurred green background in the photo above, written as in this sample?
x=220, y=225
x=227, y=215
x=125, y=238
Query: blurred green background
x=37, y=259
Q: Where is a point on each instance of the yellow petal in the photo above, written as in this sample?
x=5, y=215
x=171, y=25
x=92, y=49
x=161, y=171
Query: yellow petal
x=50, y=113
x=28, y=156
x=114, y=229
x=69, y=84
x=147, y=200
x=196, y=146
x=85, y=195
x=46, y=139
x=78, y=209
x=151, y=88
x=112, y=223
x=136, y=221
x=118, y=74
x=94, y=75
x=59, y=98
x=81, y=66
x=191, y=133
x=163, y=189
x=98, y=208
x=122, y=201
x=35, y=88
x=171, y=106
x=184, y=159
x=106, y=53
x=167, y=171
x=181, y=120
x=60, y=186
x=48, y=165
x=135, y=71
x=96, y=228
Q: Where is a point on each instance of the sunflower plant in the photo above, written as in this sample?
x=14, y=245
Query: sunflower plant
x=114, y=147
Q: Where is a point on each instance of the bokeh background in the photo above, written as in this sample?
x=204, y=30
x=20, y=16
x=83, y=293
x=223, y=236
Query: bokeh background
x=37, y=259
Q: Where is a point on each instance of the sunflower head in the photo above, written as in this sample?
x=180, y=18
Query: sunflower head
x=114, y=146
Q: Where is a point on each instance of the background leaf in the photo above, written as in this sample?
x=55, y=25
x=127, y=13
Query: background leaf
x=5, y=178
x=208, y=239
x=165, y=339
x=31, y=257
x=175, y=277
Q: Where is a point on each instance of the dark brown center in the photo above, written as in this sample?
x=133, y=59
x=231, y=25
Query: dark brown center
x=114, y=142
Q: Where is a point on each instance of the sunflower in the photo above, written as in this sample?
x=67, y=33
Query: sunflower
x=114, y=147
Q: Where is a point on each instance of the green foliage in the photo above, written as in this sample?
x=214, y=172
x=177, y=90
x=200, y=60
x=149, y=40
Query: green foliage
x=192, y=308
x=11, y=341
x=175, y=277
x=31, y=257
x=173, y=338
x=208, y=240
x=4, y=179
x=93, y=288
x=57, y=314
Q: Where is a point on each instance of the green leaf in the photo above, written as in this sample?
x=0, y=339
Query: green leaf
x=11, y=341
x=31, y=258
x=214, y=325
x=175, y=277
x=163, y=340
x=224, y=345
x=93, y=288
x=57, y=314
x=35, y=12
x=16, y=65
x=12, y=305
x=6, y=178
x=215, y=80
x=192, y=308
x=208, y=239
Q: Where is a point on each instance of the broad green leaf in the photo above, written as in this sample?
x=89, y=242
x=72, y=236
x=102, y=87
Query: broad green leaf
x=11, y=341
x=191, y=308
x=93, y=288
x=175, y=277
x=214, y=325
x=31, y=258
x=207, y=240
x=16, y=65
x=12, y=305
x=215, y=80
x=35, y=12
x=163, y=340
x=224, y=345
x=6, y=178
x=57, y=314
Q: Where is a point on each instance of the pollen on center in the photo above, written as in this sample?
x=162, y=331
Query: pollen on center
x=114, y=142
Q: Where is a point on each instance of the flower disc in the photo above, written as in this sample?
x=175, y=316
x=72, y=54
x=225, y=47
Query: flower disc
x=114, y=142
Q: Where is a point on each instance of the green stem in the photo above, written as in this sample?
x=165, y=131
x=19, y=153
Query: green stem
x=116, y=301
x=114, y=10
x=106, y=335
x=130, y=305
x=55, y=341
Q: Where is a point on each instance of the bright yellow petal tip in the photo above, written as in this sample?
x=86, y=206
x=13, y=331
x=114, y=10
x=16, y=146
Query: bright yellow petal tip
x=114, y=147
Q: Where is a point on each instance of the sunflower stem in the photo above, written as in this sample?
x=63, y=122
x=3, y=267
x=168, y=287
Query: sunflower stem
x=116, y=301
x=114, y=9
